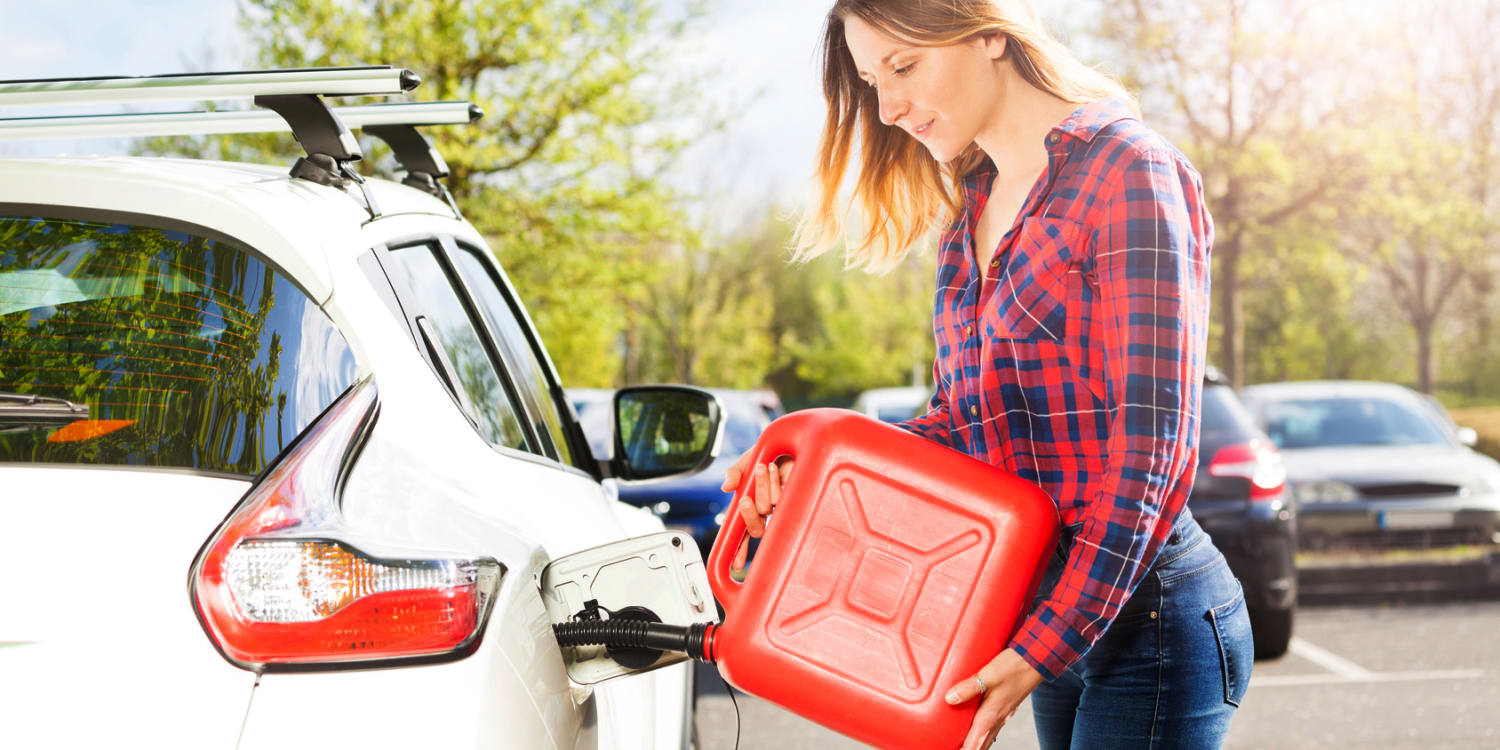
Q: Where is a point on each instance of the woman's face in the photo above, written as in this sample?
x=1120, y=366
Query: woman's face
x=942, y=96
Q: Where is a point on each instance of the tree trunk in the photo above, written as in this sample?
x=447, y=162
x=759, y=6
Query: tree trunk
x=1227, y=290
x=632, y=358
x=1424, y=356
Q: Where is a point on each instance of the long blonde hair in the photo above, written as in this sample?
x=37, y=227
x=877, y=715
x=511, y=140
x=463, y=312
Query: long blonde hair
x=901, y=191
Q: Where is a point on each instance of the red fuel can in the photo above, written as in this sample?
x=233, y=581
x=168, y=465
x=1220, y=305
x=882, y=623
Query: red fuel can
x=891, y=568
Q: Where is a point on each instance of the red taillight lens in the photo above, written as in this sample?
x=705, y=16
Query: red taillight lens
x=277, y=583
x=1256, y=461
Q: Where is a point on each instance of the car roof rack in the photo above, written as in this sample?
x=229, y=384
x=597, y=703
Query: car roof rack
x=360, y=80
x=294, y=98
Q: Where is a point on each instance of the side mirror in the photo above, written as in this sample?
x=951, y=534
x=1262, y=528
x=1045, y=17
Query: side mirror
x=1467, y=435
x=662, y=430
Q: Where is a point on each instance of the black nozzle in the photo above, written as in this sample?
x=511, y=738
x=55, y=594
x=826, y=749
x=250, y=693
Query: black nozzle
x=618, y=633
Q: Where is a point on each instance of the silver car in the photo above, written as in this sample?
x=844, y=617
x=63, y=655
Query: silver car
x=1378, y=463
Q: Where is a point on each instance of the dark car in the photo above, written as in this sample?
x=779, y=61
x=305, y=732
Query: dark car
x=1240, y=499
x=693, y=504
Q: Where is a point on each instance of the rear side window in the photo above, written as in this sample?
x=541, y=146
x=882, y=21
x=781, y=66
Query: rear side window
x=485, y=399
x=188, y=352
x=529, y=378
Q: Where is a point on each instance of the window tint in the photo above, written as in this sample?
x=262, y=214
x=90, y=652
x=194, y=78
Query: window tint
x=187, y=352
x=530, y=379
x=484, y=394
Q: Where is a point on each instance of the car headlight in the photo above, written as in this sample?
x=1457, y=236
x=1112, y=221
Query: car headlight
x=1324, y=491
x=1487, y=484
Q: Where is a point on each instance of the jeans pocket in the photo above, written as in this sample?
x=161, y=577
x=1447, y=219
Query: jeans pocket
x=1236, y=650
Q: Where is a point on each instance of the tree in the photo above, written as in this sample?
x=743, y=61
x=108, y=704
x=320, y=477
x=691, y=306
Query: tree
x=1423, y=221
x=564, y=175
x=704, y=317
x=1259, y=102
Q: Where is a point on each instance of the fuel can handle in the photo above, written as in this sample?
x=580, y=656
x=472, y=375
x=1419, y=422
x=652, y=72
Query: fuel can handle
x=775, y=441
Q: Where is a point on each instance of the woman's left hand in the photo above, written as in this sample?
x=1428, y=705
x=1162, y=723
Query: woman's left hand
x=1008, y=679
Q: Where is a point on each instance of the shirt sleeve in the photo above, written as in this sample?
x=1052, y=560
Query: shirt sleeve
x=934, y=425
x=1150, y=257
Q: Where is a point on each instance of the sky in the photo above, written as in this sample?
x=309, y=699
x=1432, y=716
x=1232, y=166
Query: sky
x=760, y=54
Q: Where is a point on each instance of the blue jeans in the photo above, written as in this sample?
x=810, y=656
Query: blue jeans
x=1172, y=667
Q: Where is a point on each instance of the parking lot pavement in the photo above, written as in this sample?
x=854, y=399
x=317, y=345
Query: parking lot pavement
x=1387, y=678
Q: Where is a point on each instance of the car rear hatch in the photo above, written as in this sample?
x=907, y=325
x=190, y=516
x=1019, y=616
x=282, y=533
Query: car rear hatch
x=148, y=370
x=98, y=640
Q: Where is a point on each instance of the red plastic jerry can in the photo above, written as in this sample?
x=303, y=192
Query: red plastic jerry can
x=891, y=568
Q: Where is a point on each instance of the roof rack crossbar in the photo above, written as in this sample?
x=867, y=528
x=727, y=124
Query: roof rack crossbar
x=368, y=80
x=294, y=96
x=226, y=121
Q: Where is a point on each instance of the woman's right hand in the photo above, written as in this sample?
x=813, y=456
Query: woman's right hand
x=760, y=500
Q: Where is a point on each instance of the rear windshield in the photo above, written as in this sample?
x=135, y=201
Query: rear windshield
x=1223, y=412
x=187, y=352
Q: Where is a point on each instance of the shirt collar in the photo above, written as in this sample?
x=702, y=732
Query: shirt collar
x=1090, y=118
x=1083, y=124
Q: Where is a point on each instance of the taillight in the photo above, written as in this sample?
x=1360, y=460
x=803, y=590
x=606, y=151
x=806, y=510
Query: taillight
x=282, y=583
x=1256, y=461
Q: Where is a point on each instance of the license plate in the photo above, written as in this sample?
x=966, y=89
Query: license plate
x=1425, y=519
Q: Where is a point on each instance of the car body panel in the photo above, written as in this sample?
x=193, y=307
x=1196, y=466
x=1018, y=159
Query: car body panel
x=96, y=611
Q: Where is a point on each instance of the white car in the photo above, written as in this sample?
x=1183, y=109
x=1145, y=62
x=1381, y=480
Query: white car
x=300, y=464
x=893, y=404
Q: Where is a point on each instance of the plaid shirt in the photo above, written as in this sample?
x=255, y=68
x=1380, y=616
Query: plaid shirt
x=1078, y=364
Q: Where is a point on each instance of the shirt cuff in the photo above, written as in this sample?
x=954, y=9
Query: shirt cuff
x=1051, y=640
x=928, y=429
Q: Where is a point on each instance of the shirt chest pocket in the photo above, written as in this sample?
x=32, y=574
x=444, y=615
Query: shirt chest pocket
x=1030, y=299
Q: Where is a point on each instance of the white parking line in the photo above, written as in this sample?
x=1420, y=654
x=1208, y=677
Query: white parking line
x=1330, y=661
x=1345, y=671
x=1291, y=680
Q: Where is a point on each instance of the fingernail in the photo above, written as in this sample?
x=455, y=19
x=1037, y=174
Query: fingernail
x=952, y=697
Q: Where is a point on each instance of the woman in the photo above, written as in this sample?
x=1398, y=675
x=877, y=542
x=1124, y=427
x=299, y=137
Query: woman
x=1070, y=318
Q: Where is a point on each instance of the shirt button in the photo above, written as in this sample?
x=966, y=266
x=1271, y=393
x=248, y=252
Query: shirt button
x=973, y=410
x=1054, y=138
x=969, y=331
x=995, y=263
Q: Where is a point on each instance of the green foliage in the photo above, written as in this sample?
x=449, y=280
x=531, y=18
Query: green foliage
x=563, y=175
x=873, y=330
x=1350, y=191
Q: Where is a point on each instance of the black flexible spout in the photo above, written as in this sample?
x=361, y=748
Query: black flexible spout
x=694, y=640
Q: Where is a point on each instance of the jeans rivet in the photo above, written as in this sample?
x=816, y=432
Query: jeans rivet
x=1153, y=614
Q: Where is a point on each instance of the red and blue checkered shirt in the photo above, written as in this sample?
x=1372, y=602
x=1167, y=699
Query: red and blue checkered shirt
x=1078, y=363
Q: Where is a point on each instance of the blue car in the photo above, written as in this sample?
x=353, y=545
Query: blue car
x=693, y=504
